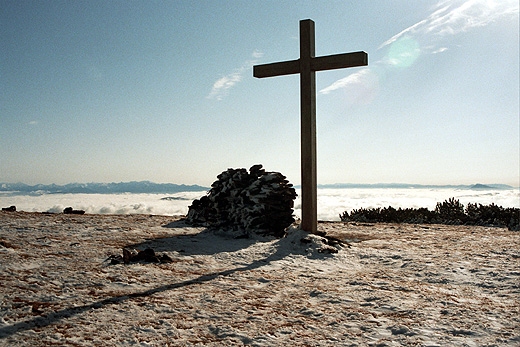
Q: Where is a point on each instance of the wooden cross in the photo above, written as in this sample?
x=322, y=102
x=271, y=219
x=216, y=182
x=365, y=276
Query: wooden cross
x=306, y=66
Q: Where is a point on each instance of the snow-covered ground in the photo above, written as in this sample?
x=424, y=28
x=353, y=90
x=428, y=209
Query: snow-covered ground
x=395, y=285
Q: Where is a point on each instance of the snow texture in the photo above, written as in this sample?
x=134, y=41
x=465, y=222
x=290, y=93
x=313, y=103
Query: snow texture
x=396, y=285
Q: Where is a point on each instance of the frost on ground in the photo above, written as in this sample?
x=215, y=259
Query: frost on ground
x=395, y=285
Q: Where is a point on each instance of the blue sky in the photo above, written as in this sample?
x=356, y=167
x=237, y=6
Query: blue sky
x=109, y=91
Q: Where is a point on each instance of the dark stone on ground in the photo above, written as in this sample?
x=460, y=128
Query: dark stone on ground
x=133, y=256
x=5, y=244
x=69, y=210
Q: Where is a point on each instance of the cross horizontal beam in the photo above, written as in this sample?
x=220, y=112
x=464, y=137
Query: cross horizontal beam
x=339, y=61
x=277, y=69
x=329, y=62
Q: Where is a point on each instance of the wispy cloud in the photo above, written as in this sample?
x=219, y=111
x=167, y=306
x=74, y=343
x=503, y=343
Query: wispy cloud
x=221, y=86
x=257, y=54
x=454, y=17
x=448, y=18
x=440, y=50
x=361, y=87
x=354, y=79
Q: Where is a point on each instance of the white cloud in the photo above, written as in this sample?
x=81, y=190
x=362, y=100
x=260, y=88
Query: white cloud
x=257, y=54
x=33, y=122
x=450, y=17
x=221, y=87
x=104, y=203
x=360, y=87
x=440, y=50
x=454, y=17
x=353, y=79
x=405, y=31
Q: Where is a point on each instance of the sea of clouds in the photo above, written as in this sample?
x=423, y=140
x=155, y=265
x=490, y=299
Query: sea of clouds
x=331, y=202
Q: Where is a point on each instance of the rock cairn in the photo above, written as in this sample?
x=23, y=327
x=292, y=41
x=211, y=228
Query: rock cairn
x=256, y=201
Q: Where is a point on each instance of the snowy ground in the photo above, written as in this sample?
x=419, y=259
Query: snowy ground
x=396, y=285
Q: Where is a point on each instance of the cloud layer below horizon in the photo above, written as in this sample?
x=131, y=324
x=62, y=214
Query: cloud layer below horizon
x=331, y=202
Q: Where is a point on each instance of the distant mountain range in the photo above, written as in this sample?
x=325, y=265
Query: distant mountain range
x=99, y=188
x=477, y=186
x=170, y=188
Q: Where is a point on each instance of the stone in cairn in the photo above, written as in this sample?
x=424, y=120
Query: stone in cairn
x=255, y=201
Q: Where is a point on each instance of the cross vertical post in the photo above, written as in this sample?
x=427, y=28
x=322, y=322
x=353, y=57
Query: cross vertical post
x=308, y=128
x=307, y=66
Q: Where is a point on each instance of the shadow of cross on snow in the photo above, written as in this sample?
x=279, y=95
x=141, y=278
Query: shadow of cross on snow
x=205, y=242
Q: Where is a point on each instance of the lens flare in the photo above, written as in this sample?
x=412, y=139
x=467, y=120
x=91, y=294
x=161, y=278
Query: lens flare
x=403, y=52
